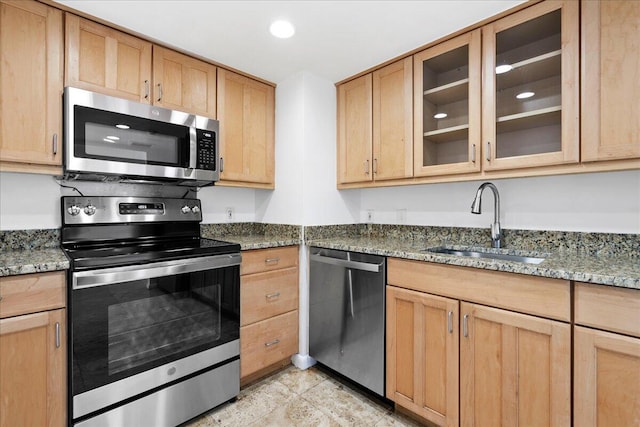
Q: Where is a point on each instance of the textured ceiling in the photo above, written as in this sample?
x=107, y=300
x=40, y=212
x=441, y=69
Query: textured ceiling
x=334, y=39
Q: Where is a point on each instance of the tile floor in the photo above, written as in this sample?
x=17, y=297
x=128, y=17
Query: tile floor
x=299, y=398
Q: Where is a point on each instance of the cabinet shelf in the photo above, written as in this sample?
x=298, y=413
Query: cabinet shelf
x=449, y=134
x=531, y=69
x=530, y=119
x=446, y=94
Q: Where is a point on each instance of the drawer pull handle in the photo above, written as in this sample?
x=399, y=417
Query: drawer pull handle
x=450, y=322
x=270, y=343
x=57, y=335
x=271, y=261
x=272, y=296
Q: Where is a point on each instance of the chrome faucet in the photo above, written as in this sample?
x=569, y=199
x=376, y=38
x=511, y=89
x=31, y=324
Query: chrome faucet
x=496, y=233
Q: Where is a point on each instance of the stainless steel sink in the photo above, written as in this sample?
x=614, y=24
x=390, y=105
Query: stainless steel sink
x=482, y=254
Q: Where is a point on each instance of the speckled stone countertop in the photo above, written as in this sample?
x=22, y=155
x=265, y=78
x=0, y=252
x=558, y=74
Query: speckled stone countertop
x=31, y=251
x=612, y=260
x=254, y=235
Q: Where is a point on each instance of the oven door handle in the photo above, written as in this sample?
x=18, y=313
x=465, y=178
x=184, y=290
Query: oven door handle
x=110, y=276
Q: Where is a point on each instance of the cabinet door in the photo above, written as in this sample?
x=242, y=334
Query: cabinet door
x=183, y=83
x=447, y=107
x=606, y=379
x=530, y=87
x=422, y=354
x=393, y=121
x=355, y=149
x=33, y=370
x=104, y=60
x=31, y=83
x=610, y=80
x=515, y=369
x=246, y=112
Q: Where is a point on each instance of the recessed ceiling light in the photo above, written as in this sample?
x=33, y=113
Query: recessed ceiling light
x=282, y=29
x=113, y=138
x=500, y=69
x=525, y=95
x=122, y=126
x=440, y=116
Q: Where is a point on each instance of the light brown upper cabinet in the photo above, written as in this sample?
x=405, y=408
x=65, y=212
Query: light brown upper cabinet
x=355, y=130
x=610, y=80
x=101, y=59
x=375, y=127
x=392, y=122
x=31, y=84
x=530, y=87
x=447, y=107
x=183, y=83
x=246, y=111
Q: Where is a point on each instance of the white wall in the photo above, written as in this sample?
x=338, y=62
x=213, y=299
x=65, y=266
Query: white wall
x=598, y=202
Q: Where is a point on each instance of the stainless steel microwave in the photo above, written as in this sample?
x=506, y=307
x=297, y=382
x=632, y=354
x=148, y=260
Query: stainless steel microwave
x=113, y=139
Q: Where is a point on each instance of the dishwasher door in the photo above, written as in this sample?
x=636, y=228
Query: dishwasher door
x=347, y=314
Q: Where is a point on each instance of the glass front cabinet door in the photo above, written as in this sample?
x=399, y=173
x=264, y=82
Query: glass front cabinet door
x=447, y=107
x=531, y=88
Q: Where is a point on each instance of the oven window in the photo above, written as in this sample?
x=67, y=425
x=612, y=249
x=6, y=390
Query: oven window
x=106, y=135
x=125, y=328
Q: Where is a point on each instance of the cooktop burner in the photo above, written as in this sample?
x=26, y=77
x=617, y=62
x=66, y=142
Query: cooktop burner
x=100, y=232
x=132, y=253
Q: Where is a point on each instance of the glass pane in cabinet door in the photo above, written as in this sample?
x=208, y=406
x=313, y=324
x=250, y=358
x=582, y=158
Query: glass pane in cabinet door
x=446, y=108
x=528, y=87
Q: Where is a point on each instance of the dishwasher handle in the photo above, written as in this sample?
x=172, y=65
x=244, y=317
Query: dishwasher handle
x=354, y=265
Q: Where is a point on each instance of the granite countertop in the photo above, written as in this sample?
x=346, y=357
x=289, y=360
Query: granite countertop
x=604, y=259
x=619, y=270
x=24, y=261
x=260, y=241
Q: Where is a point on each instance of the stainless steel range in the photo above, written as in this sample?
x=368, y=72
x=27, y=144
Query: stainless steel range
x=154, y=312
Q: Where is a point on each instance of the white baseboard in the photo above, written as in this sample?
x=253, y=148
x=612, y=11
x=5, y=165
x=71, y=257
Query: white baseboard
x=302, y=361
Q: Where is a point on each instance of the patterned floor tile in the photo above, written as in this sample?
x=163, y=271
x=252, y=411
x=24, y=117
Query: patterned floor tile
x=295, y=398
x=343, y=404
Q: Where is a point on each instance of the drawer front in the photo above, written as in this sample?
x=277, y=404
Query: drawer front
x=261, y=260
x=265, y=295
x=31, y=293
x=539, y=296
x=608, y=308
x=267, y=342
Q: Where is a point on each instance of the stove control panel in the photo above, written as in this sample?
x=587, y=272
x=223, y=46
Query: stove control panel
x=112, y=210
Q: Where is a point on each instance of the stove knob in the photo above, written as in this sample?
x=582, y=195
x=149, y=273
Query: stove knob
x=73, y=210
x=195, y=209
x=185, y=209
x=89, y=210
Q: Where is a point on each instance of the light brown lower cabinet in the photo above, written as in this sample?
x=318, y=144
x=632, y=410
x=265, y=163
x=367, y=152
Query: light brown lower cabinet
x=422, y=354
x=454, y=362
x=32, y=350
x=268, y=310
x=515, y=369
x=606, y=389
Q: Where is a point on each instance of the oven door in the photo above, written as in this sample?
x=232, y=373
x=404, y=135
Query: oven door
x=136, y=328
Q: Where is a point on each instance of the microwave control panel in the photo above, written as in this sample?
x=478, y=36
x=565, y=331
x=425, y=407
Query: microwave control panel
x=206, y=150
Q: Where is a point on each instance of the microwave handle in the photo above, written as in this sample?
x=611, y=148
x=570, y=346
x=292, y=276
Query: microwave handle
x=193, y=148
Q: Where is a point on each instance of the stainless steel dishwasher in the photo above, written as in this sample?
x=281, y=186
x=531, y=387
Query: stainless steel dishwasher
x=347, y=314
